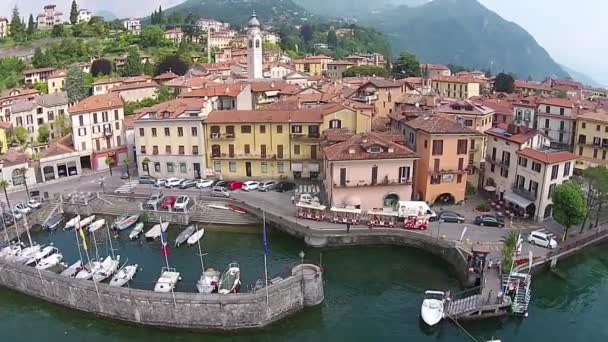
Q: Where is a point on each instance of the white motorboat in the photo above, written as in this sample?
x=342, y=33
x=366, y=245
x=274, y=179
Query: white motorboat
x=184, y=235
x=26, y=254
x=136, y=232
x=124, y=276
x=195, y=237
x=86, y=221
x=10, y=251
x=155, y=232
x=96, y=225
x=50, y=261
x=88, y=270
x=73, y=269
x=209, y=281
x=230, y=281
x=167, y=281
x=432, y=307
x=72, y=223
x=43, y=253
x=108, y=267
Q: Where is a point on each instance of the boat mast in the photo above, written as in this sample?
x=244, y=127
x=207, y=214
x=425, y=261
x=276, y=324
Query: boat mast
x=8, y=239
x=95, y=243
x=163, y=241
x=27, y=229
x=200, y=252
x=266, y=252
x=109, y=239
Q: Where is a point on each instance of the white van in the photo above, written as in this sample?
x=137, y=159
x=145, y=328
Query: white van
x=415, y=208
x=542, y=239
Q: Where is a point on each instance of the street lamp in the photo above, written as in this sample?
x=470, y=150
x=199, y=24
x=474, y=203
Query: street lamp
x=439, y=229
x=102, y=181
x=302, y=255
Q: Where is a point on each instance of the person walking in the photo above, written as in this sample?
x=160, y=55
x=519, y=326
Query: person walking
x=348, y=227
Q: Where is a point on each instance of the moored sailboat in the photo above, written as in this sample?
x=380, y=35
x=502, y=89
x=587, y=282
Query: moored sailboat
x=194, y=238
x=53, y=222
x=86, y=221
x=50, y=261
x=184, y=235
x=96, y=225
x=125, y=223
x=72, y=223
x=124, y=276
x=155, y=232
x=43, y=253
x=136, y=232
x=73, y=269
x=108, y=267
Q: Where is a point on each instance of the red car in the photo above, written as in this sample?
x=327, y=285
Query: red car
x=168, y=202
x=235, y=185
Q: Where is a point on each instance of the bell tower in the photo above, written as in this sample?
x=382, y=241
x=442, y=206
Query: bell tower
x=254, y=49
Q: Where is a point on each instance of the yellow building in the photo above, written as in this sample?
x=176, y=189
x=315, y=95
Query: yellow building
x=382, y=94
x=56, y=81
x=274, y=143
x=313, y=65
x=591, y=141
x=457, y=87
x=4, y=134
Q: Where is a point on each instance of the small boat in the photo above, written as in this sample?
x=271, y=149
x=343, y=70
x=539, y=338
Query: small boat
x=136, y=232
x=196, y=236
x=167, y=281
x=125, y=223
x=43, y=253
x=236, y=209
x=72, y=223
x=53, y=222
x=50, y=261
x=154, y=233
x=96, y=225
x=86, y=221
x=231, y=279
x=108, y=267
x=209, y=281
x=124, y=276
x=184, y=235
x=73, y=269
x=432, y=307
x=218, y=206
x=118, y=220
x=89, y=270
x=26, y=254
x=10, y=251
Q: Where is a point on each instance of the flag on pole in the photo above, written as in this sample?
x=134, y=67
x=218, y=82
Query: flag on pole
x=265, y=238
x=84, y=239
x=163, y=240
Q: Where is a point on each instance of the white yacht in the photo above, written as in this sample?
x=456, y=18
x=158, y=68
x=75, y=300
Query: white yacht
x=432, y=309
x=167, y=281
x=124, y=276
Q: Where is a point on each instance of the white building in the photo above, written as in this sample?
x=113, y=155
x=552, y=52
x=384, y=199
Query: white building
x=49, y=17
x=84, y=16
x=525, y=113
x=557, y=119
x=3, y=27
x=270, y=37
x=254, y=49
x=98, y=131
x=41, y=110
x=132, y=25
x=211, y=24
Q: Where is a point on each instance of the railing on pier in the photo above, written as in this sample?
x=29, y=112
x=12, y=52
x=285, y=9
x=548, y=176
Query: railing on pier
x=464, y=302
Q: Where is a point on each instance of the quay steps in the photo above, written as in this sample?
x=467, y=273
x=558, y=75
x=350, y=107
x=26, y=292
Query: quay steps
x=461, y=307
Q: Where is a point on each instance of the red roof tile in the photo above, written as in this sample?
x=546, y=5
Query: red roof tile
x=357, y=146
x=261, y=116
x=514, y=133
x=547, y=157
x=558, y=102
x=96, y=103
x=439, y=124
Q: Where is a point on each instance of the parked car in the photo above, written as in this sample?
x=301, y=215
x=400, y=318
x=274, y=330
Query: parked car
x=235, y=185
x=168, y=202
x=187, y=184
x=221, y=184
x=22, y=208
x=219, y=191
x=451, y=216
x=542, y=239
x=155, y=200
x=34, y=204
x=147, y=180
x=267, y=185
x=17, y=215
x=181, y=203
x=250, y=185
x=308, y=198
x=124, y=175
x=160, y=182
x=284, y=186
x=489, y=220
x=204, y=183
x=173, y=182
x=9, y=220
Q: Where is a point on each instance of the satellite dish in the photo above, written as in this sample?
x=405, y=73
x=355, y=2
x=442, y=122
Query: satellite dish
x=417, y=105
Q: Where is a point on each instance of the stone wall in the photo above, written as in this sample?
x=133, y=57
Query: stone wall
x=180, y=310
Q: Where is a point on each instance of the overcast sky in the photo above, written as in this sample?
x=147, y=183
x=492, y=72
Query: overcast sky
x=574, y=32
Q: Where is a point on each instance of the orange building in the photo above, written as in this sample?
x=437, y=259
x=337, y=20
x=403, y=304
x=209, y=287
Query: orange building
x=446, y=149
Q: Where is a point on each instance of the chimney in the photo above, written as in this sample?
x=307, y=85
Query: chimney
x=513, y=128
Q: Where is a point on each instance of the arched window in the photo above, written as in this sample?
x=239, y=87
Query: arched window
x=250, y=44
x=391, y=201
x=257, y=43
x=18, y=177
x=335, y=123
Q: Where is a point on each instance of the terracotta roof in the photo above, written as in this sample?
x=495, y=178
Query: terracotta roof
x=434, y=67
x=381, y=83
x=5, y=124
x=339, y=62
x=499, y=106
x=96, y=103
x=184, y=82
x=232, y=90
x=457, y=79
x=554, y=101
x=33, y=71
x=171, y=109
x=281, y=86
x=357, y=147
x=599, y=115
x=547, y=157
x=439, y=124
x=129, y=120
x=131, y=86
x=413, y=80
x=16, y=93
x=60, y=146
x=169, y=75
x=107, y=81
x=465, y=107
x=260, y=116
x=58, y=74
x=514, y=133
x=531, y=85
x=13, y=157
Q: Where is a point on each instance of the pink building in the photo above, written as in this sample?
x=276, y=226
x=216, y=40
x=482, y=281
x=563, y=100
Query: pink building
x=371, y=170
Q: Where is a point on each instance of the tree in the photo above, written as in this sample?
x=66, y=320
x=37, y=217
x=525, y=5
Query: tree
x=306, y=32
x=110, y=162
x=31, y=26
x=42, y=87
x=569, y=207
x=504, y=83
x=148, y=68
x=133, y=65
x=332, y=38
x=5, y=184
x=74, y=13
x=58, y=31
x=595, y=181
x=562, y=94
x=152, y=36
x=406, y=65
x=159, y=15
x=11, y=72
x=40, y=59
x=164, y=94
x=510, y=242
x=63, y=124
x=75, y=84
x=101, y=67
x=366, y=70
x=127, y=163
x=43, y=134
x=21, y=135
x=16, y=26
x=174, y=63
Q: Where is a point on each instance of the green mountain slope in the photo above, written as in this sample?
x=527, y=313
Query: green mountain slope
x=353, y=8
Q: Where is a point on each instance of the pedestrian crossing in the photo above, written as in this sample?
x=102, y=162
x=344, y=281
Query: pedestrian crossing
x=127, y=187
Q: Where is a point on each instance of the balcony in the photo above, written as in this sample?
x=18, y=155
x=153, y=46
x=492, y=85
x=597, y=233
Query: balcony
x=367, y=98
x=304, y=136
x=225, y=136
x=529, y=195
x=107, y=132
x=442, y=171
x=369, y=183
x=243, y=156
x=500, y=163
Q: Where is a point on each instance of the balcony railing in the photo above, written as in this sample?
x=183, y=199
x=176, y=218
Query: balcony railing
x=369, y=183
x=304, y=136
x=501, y=163
x=366, y=98
x=524, y=193
x=225, y=136
x=443, y=171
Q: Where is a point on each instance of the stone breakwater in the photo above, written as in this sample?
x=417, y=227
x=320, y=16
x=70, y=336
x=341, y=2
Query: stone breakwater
x=179, y=310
